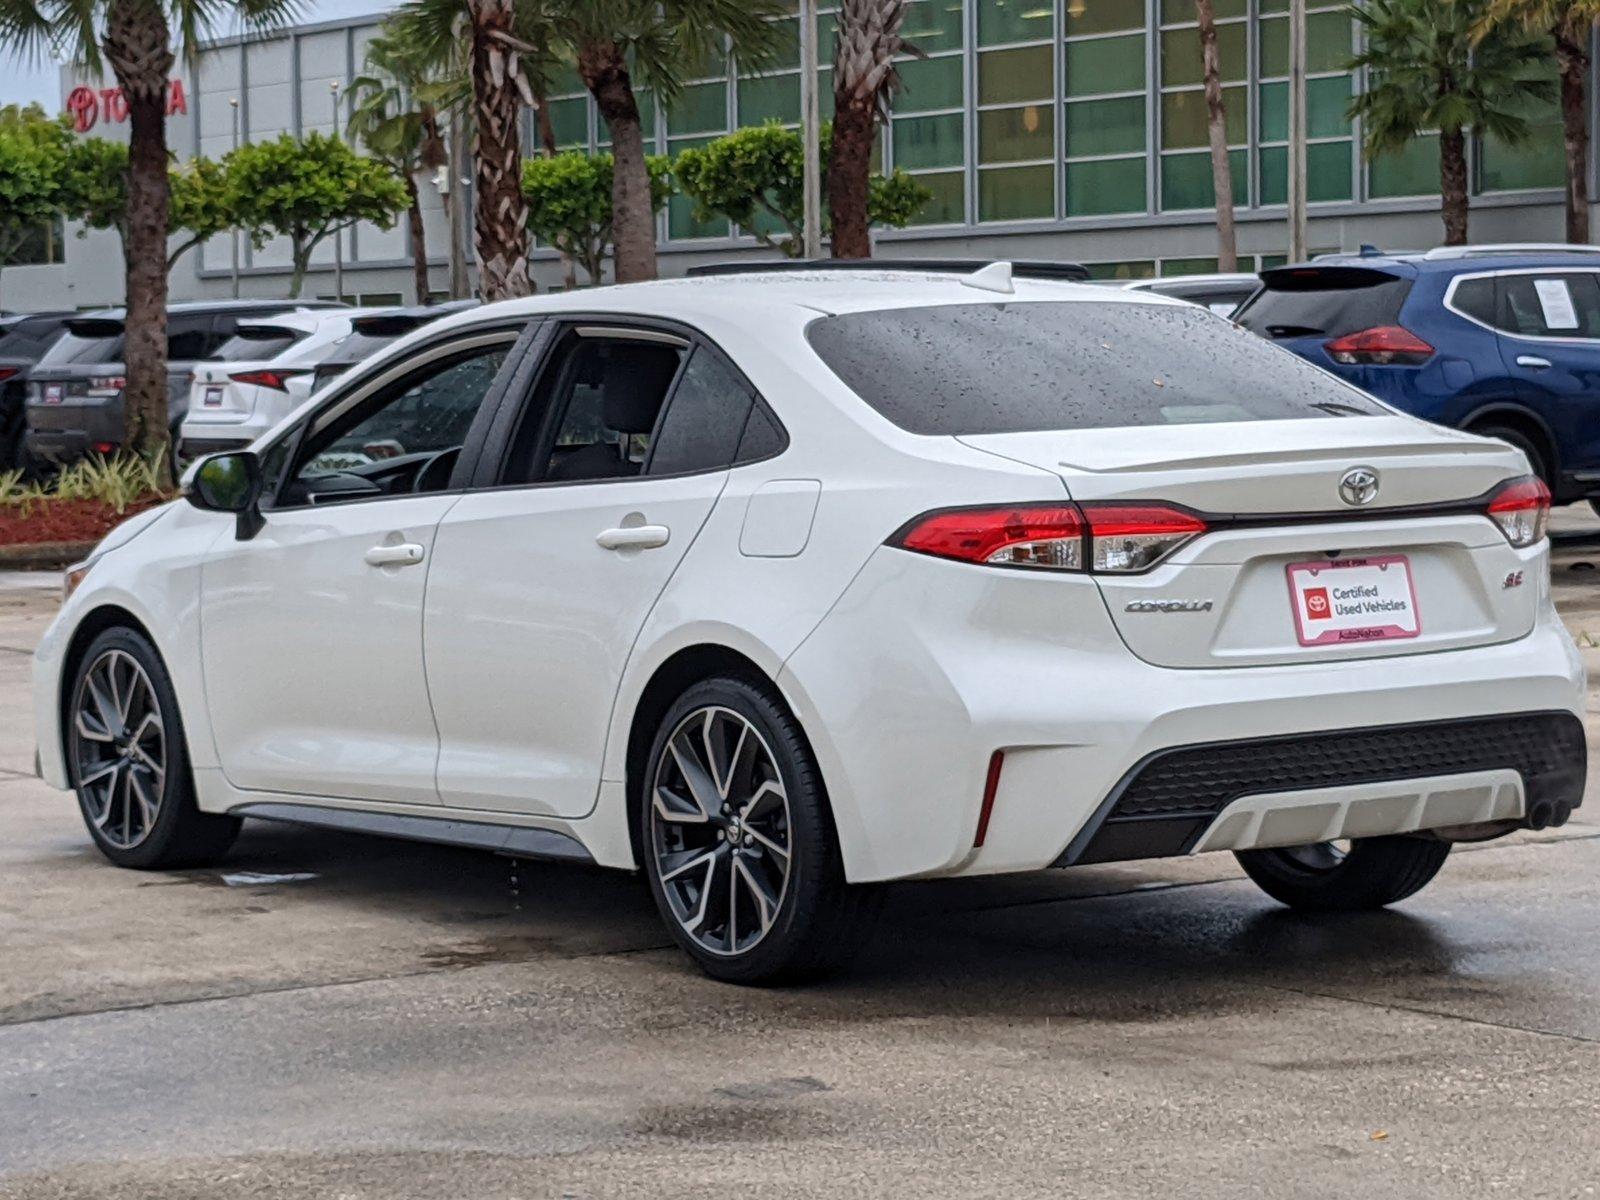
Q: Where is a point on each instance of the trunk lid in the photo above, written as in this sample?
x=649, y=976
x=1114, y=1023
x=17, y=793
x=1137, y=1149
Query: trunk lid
x=1270, y=494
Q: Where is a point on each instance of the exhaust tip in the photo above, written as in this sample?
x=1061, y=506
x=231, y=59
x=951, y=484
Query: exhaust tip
x=1541, y=815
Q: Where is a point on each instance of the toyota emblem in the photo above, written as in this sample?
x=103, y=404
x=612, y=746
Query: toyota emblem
x=1359, y=486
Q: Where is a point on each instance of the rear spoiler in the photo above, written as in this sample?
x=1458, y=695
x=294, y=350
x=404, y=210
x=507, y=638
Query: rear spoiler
x=96, y=327
x=398, y=321
x=1319, y=277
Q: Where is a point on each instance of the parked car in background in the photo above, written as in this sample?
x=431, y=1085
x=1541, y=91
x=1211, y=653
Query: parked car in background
x=259, y=376
x=75, y=393
x=1503, y=341
x=375, y=330
x=777, y=586
x=23, y=342
x=1222, y=293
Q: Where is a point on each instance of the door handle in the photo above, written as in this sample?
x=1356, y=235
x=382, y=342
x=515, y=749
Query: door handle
x=633, y=537
x=406, y=554
x=1533, y=362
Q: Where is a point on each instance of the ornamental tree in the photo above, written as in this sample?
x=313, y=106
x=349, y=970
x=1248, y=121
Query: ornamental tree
x=570, y=202
x=95, y=193
x=33, y=163
x=753, y=177
x=308, y=190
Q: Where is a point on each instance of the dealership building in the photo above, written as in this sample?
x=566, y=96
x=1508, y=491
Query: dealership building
x=1070, y=129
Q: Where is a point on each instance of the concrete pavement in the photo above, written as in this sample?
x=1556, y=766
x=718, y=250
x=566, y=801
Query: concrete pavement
x=403, y=1020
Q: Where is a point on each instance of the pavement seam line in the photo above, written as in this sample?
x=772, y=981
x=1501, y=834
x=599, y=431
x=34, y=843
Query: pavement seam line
x=1420, y=1011
x=288, y=989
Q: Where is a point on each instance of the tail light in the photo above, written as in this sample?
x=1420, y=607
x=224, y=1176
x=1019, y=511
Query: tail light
x=1521, y=508
x=277, y=380
x=1382, y=346
x=106, y=385
x=1105, y=538
x=8, y=372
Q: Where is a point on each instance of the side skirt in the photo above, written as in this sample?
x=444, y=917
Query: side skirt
x=518, y=841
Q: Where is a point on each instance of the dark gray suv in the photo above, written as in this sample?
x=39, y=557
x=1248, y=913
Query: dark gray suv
x=75, y=393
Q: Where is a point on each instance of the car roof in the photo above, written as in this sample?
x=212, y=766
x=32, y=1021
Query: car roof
x=749, y=299
x=307, y=322
x=1452, y=260
x=189, y=307
x=1219, y=278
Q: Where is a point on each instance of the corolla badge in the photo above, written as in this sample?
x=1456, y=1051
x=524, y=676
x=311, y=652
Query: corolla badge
x=1359, y=486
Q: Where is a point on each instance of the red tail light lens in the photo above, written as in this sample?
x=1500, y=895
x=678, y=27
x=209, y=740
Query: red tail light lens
x=1119, y=539
x=278, y=380
x=7, y=372
x=106, y=385
x=1521, y=508
x=1383, y=346
x=1021, y=535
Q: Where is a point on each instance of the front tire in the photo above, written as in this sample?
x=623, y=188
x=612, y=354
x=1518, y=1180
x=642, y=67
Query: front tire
x=129, y=762
x=1326, y=877
x=739, y=844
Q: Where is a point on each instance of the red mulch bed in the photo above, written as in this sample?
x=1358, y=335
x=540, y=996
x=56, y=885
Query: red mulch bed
x=64, y=520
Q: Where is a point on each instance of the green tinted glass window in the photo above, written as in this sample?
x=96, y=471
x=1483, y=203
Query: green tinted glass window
x=1326, y=102
x=1186, y=179
x=1328, y=43
x=1180, y=54
x=947, y=205
x=1185, y=118
x=1413, y=171
x=1016, y=193
x=1173, y=11
x=1329, y=173
x=700, y=108
x=925, y=84
x=786, y=47
x=1540, y=162
x=1105, y=126
x=775, y=96
x=1005, y=76
x=571, y=121
x=1113, y=185
x=1188, y=266
x=1103, y=16
x=1003, y=21
x=1016, y=134
x=1105, y=65
x=933, y=25
x=928, y=141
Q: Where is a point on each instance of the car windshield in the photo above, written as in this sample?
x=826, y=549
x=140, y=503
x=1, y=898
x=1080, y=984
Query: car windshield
x=1009, y=368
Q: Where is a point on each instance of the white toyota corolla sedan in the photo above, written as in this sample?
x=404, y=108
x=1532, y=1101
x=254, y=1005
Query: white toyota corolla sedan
x=776, y=586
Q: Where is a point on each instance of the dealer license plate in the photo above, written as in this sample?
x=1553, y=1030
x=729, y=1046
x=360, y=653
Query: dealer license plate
x=1347, y=600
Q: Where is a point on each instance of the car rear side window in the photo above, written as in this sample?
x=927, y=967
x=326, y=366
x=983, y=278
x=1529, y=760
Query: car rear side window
x=84, y=347
x=28, y=339
x=1010, y=368
x=704, y=419
x=257, y=344
x=1323, y=302
x=1550, y=305
x=1475, y=298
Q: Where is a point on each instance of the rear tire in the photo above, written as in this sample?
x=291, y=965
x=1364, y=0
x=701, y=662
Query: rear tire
x=1373, y=872
x=739, y=844
x=129, y=761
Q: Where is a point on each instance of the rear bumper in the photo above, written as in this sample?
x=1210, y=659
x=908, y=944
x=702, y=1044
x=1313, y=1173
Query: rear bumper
x=1472, y=771
x=63, y=433
x=924, y=669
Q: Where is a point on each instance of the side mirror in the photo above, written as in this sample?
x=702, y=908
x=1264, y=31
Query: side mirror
x=230, y=483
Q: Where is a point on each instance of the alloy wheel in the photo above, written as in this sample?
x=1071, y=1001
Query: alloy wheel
x=119, y=749
x=720, y=830
x=1317, y=858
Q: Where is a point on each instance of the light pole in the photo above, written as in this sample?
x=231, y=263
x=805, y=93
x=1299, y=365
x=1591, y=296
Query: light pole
x=810, y=132
x=233, y=103
x=1297, y=130
x=338, y=237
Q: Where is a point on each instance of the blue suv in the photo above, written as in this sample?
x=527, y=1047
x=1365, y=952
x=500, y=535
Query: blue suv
x=1500, y=340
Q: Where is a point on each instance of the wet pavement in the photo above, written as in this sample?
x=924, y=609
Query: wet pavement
x=333, y=1015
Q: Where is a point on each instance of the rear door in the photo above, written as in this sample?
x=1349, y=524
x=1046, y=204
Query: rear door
x=1549, y=333
x=540, y=584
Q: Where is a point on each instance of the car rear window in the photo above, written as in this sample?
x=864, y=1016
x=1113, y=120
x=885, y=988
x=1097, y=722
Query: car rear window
x=358, y=347
x=257, y=343
x=1010, y=368
x=28, y=339
x=84, y=347
x=1323, y=302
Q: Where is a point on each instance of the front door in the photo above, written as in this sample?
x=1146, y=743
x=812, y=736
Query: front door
x=540, y=586
x=312, y=630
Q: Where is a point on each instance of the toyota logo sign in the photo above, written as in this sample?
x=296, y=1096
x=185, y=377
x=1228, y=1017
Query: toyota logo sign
x=1359, y=486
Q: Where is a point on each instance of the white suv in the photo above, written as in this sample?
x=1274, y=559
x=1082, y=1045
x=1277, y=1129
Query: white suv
x=258, y=377
x=779, y=586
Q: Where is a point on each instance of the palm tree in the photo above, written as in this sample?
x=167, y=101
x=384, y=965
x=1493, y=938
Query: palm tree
x=864, y=85
x=1569, y=23
x=1426, y=72
x=396, y=122
x=662, y=42
x=1217, y=128
x=134, y=37
x=482, y=35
